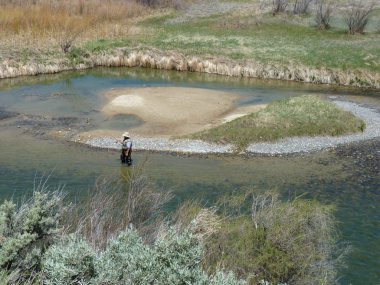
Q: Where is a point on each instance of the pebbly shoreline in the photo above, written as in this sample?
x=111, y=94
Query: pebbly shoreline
x=286, y=146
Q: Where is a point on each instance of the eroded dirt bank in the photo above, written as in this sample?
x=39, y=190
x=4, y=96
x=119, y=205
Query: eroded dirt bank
x=152, y=58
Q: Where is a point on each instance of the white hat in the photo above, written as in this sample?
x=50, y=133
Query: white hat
x=126, y=134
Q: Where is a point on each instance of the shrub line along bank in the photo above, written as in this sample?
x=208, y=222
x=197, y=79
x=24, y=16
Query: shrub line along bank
x=156, y=59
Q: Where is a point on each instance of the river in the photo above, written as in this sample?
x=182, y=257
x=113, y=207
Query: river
x=346, y=177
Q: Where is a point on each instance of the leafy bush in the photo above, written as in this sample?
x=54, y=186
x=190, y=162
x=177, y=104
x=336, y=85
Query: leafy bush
x=173, y=259
x=290, y=242
x=70, y=261
x=179, y=259
x=26, y=231
x=125, y=261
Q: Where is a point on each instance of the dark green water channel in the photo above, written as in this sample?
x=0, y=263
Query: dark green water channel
x=332, y=177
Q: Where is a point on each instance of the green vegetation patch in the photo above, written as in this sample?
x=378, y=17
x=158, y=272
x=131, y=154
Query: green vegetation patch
x=277, y=241
x=244, y=238
x=297, y=116
x=284, y=39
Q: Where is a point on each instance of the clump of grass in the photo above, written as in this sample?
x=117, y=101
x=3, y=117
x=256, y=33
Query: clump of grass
x=297, y=116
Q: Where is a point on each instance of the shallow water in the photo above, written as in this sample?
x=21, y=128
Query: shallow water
x=328, y=176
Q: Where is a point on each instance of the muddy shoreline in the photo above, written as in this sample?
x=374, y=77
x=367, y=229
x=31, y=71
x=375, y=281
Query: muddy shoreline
x=157, y=59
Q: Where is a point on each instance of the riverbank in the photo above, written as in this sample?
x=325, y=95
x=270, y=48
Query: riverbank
x=287, y=146
x=157, y=59
x=226, y=37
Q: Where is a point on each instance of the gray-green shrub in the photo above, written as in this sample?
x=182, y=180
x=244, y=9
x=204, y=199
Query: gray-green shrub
x=69, y=261
x=126, y=260
x=179, y=259
x=174, y=259
x=27, y=230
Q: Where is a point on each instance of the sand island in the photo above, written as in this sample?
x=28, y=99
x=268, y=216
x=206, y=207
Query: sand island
x=174, y=111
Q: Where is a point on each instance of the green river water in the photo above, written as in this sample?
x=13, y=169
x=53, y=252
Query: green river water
x=328, y=176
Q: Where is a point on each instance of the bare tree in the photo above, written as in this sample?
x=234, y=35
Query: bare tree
x=301, y=6
x=279, y=6
x=323, y=14
x=66, y=31
x=357, y=16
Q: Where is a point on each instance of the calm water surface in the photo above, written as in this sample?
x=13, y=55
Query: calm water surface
x=326, y=176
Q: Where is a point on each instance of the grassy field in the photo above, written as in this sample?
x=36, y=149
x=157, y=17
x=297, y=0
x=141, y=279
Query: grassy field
x=281, y=39
x=298, y=116
x=233, y=29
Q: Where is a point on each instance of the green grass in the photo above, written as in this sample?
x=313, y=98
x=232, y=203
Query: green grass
x=104, y=44
x=276, y=40
x=284, y=40
x=297, y=116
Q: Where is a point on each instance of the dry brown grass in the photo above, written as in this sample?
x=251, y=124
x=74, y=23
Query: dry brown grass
x=50, y=22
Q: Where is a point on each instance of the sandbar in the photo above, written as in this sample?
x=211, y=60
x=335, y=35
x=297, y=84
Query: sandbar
x=173, y=111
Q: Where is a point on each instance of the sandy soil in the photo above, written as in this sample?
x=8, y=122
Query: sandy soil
x=172, y=111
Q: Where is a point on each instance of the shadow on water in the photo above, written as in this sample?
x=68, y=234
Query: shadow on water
x=347, y=177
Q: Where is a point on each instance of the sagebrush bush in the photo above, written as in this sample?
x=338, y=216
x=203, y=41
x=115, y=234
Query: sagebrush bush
x=126, y=260
x=69, y=261
x=27, y=230
x=174, y=259
x=183, y=253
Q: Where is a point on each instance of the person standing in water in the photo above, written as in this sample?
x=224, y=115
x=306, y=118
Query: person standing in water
x=126, y=149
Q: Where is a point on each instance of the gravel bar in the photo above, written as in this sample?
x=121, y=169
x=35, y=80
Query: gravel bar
x=161, y=144
x=286, y=146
